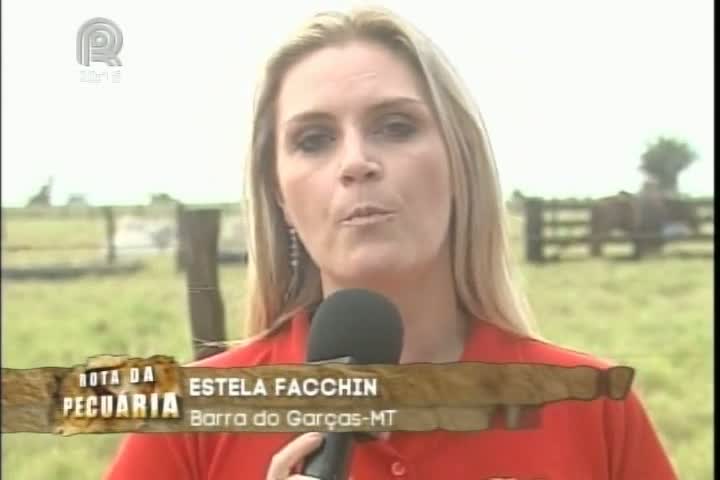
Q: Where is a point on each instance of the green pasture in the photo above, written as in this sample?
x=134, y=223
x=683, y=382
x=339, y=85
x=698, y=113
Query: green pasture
x=655, y=315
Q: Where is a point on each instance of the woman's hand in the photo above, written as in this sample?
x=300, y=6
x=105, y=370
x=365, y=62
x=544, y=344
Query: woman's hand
x=291, y=456
x=288, y=459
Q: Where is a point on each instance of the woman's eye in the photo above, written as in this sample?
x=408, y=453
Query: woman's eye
x=398, y=129
x=314, y=142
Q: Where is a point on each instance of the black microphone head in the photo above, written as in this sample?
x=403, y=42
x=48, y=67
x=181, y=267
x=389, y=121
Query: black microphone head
x=356, y=323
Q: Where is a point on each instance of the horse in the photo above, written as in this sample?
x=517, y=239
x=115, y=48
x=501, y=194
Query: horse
x=644, y=217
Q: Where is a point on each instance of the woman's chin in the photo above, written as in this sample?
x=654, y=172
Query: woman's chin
x=370, y=267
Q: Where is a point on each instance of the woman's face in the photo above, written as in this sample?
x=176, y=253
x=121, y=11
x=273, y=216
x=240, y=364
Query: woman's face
x=361, y=165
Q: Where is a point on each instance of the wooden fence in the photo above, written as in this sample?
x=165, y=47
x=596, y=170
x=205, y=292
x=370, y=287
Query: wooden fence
x=547, y=222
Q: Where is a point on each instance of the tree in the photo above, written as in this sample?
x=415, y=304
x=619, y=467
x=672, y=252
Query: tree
x=162, y=199
x=517, y=196
x=77, y=200
x=42, y=197
x=516, y=201
x=665, y=159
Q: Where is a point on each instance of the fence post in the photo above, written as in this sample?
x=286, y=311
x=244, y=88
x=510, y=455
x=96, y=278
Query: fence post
x=596, y=233
x=534, y=229
x=201, y=229
x=110, y=234
x=181, y=240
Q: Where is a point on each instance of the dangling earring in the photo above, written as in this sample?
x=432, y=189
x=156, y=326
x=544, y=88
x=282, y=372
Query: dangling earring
x=294, y=283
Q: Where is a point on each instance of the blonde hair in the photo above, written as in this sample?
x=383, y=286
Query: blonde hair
x=479, y=243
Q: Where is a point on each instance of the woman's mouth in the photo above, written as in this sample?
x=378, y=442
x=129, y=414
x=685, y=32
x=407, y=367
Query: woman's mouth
x=368, y=219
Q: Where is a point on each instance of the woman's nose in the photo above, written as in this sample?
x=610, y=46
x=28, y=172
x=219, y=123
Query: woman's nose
x=357, y=164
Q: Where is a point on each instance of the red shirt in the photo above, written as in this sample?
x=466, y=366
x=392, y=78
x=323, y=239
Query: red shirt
x=602, y=439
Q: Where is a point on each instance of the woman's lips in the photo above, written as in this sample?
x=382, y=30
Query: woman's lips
x=369, y=219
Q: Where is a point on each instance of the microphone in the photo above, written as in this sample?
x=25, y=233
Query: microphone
x=358, y=327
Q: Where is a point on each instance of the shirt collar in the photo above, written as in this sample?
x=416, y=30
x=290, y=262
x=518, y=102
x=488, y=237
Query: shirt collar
x=485, y=342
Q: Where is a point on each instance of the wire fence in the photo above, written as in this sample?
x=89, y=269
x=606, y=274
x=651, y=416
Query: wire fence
x=45, y=241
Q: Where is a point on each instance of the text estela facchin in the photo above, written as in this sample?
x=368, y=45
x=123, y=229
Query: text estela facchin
x=282, y=387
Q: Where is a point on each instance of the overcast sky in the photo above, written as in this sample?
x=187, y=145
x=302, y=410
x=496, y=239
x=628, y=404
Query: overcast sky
x=571, y=91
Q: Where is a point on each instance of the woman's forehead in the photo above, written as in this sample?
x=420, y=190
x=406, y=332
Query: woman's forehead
x=357, y=74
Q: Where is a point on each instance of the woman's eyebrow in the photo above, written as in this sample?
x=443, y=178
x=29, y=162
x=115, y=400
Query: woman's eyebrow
x=383, y=104
x=395, y=102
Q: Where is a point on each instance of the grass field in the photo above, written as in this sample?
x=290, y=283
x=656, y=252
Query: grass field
x=656, y=316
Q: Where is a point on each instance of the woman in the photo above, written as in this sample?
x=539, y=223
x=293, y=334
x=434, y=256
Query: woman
x=370, y=168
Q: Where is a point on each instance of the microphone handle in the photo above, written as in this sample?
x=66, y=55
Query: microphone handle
x=332, y=460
